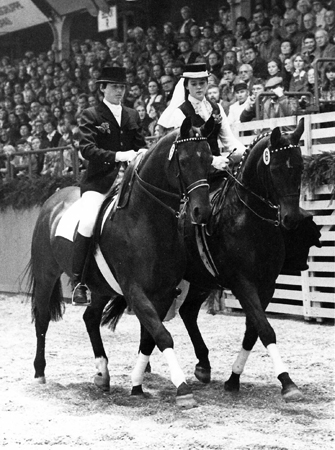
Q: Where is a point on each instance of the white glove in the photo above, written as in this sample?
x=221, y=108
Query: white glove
x=142, y=151
x=125, y=156
x=220, y=162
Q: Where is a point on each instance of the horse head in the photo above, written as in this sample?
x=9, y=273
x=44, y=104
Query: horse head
x=191, y=157
x=286, y=166
x=274, y=170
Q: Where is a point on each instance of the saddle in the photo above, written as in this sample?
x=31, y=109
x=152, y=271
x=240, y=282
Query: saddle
x=127, y=182
x=122, y=192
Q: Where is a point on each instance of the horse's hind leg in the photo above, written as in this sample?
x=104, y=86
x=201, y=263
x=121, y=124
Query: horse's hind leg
x=46, y=305
x=92, y=318
x=189, y=312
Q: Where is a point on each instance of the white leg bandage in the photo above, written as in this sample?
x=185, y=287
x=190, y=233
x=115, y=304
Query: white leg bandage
x=177, y=375
x=101, y=365
x=278, y=365
x=137, y=374
x=240, y=361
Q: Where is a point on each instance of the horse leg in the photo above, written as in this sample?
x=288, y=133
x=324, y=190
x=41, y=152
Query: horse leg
x=189, y=312
x=151, y=319
x=92, y=318
x=46, y=306
x=254, y=309
x=250, y=338
x=147, y=345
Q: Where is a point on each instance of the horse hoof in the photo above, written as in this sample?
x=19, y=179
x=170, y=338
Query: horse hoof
x=137, y=390
x=203, y=375
x=40, y=380
x=233, y=384
x=185, y=399
x=230, y=387
x=292, y=394
x=102, y=382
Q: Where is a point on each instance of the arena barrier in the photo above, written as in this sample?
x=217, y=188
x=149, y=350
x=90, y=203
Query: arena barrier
x=311, y=295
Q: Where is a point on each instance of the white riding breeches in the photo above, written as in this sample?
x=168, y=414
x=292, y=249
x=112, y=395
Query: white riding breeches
x=91, y=202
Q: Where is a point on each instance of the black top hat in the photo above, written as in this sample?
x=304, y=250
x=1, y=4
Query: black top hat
x=116, y=75
x=194, y=69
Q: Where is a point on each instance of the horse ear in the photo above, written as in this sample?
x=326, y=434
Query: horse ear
x=296, y=135
x=185, y=128
x=275, y=137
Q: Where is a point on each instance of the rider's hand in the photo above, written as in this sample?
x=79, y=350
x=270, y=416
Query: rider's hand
x=125, y=156
x=220, y=162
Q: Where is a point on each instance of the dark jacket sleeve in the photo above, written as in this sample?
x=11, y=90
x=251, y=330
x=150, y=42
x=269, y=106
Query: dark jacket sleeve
x=247, y=116
x=95, y=146
x=137, y=140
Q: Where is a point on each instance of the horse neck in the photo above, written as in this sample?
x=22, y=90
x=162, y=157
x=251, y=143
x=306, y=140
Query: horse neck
x=154, y=169
x=254, y=173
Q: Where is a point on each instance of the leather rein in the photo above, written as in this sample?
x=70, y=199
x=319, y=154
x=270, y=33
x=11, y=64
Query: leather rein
x=185, y=190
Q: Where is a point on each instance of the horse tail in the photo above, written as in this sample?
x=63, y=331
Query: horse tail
x=56, y=302
x=113, y=312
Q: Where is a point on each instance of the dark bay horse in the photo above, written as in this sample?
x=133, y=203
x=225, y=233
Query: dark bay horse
x=247, y=249
x=244, y=248
x=141, y=244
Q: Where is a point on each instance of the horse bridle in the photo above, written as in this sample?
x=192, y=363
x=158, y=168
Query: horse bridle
x=185, y=190
x=275, y=222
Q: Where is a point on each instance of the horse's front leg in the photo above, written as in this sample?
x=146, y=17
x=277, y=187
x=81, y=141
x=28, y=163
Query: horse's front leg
x=147, y=345
x=189, y=312
x=250, y=338
x=258, y=325
x=92, y=319
x=150, y=315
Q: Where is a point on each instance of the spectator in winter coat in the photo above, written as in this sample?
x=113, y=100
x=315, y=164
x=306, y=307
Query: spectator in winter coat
x=235, y=110
x=278, y=105
x=268, y=47
x=227, y=86
x=259, y=65
x=249, y=112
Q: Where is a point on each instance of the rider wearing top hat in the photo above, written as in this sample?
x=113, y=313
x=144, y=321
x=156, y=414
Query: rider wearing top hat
x=111, y=135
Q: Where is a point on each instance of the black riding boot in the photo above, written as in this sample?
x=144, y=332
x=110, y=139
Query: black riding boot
x=80, y=251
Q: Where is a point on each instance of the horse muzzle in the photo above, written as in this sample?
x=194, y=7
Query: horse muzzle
x=290, y=214
x=200, y=214
x=199, y=202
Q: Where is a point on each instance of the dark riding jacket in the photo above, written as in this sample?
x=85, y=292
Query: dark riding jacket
x=102, y=137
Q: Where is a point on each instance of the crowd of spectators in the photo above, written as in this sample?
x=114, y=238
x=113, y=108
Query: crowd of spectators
x=41, y=100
